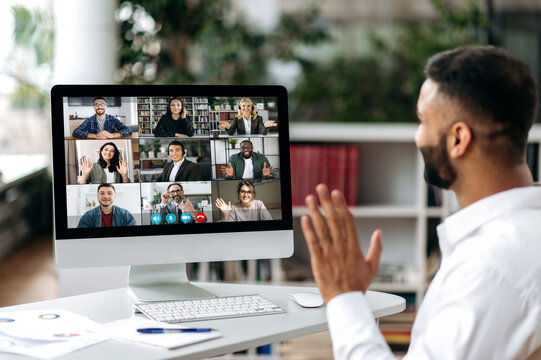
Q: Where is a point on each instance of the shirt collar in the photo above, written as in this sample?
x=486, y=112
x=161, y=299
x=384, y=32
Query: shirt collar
x=461, y=224
x=177, y=164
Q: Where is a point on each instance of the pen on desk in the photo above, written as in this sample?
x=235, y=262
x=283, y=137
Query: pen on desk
x=181, y=330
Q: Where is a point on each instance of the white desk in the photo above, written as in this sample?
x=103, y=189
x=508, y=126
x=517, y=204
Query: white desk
x=238, y=334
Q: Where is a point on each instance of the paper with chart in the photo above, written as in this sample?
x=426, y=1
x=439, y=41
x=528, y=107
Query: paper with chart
x=45, y=334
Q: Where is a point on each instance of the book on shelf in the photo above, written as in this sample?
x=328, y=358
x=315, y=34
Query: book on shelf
x=336, y=165
x=336, y=160
x=396, y=330
x=323, y=175
x=310, y=169
x=352, y=174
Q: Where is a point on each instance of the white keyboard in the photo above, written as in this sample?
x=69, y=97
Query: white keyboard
x=209, y=309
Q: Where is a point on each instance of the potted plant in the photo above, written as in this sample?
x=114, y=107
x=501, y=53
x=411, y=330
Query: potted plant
x=157, y=199
x=143, y=149
x=233, y=142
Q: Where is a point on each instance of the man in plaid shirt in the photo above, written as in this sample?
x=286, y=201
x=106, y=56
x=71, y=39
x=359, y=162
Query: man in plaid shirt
x=101, y=125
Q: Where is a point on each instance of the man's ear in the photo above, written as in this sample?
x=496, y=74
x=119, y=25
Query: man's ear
x=459, y=139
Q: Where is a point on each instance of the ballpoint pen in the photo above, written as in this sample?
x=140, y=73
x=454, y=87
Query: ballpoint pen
x=179, y=330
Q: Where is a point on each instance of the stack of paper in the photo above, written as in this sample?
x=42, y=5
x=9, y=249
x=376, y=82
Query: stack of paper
x=126, y=329
x=45, y=334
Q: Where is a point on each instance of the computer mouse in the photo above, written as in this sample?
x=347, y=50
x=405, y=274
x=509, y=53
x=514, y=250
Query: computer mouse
x=307, y=299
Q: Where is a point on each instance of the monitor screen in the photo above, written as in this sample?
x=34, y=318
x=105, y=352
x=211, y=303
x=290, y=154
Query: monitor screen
x=170, y=174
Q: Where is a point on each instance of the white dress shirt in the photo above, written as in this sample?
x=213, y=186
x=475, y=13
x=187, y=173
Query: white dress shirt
x=247, y=125
x=485, y=301
x=248, y=169
x=174, y=170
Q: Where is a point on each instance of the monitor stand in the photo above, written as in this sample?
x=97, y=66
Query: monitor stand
x=163, y=282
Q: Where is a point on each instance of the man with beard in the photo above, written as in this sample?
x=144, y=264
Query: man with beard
x=101, y=125
x=181, y=169
x=106, y=214
x=248, y=165
x=173, y=203
x=475, y=109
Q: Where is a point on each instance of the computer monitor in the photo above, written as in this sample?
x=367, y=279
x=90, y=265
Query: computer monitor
x=159, y=176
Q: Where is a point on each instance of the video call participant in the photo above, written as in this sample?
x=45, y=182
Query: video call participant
x=175, y=122
x=181, y=169
x=247, y=209
x=248, y=165
x=247, y=121
x=110, y=168
x=475, y=110
x=101, y=125
x=173, y=203
x=106, y=214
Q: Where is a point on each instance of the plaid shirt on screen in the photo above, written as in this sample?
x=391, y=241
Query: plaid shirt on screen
x=90, y=126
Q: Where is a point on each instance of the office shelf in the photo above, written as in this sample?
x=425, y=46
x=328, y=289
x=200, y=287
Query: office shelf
x=392, y=195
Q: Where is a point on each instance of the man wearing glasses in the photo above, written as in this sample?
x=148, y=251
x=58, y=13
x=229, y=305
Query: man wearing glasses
x=173, y=205
x=101, y=125
x=247, y=165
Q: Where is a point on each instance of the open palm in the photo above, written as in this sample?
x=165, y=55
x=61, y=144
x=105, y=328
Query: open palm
x=222, y=205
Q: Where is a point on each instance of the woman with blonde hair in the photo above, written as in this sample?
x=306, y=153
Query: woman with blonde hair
x=247, y=121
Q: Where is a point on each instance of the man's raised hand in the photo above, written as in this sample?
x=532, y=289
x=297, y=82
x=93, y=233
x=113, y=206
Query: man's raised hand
x=337, y=261
x=267, y=171
x=228, y=171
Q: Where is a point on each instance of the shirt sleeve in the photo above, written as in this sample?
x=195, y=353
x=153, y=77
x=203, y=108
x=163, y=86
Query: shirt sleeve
x=479, y=314
x=121, y=127
x=262, y=129
x=189, y=131
x=233, y=127
x=159, y=131
x=84, y=222
x=265, y=215
x=194, y=172
x=130, y=220
x=232, y=214
x=82, y=130
x=353, y=329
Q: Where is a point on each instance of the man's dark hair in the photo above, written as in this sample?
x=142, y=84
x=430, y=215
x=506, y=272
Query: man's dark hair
x=106, y=185
x=176, y=142
x=181, y=188
x=491, y=85
x=248, y=141
x=98, y=98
